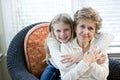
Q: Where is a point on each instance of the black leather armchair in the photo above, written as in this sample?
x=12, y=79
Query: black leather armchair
x=16, y=63
x=114, y=67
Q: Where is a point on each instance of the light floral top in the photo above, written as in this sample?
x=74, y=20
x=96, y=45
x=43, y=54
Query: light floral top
x=80, y=71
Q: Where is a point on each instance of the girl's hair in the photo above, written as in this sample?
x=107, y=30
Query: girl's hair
x=90, y=14
x=64, y=18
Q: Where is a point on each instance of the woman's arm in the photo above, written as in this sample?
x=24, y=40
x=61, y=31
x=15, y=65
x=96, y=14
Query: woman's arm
x=75, y=70
x=100, y=72
x=103, y=67
x=101, y=59
x=102, y=41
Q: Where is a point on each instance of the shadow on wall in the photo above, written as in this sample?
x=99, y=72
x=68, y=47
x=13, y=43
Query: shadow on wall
x=4, y=71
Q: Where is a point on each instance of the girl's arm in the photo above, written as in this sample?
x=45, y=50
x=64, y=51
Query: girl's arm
x=102, y=41
x=55, y=53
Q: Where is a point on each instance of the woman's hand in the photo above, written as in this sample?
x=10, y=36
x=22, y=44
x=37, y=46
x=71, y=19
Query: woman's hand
x=91, y=57
x=101, y=59
x=71, y=59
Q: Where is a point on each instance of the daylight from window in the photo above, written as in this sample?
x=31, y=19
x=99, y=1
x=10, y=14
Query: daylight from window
x=25, y=12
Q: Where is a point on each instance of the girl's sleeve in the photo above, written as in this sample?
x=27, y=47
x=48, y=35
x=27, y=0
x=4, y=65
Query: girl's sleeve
x=103, y=40
x=67, y=73
x=55, y=52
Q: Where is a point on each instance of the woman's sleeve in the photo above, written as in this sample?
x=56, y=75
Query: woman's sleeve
x=75, y=70
x=100, y=72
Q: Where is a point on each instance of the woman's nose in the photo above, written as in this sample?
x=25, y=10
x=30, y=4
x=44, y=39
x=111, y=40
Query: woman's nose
x=86, y=31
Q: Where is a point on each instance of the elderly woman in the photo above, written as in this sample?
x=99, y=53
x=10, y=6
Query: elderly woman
x=87, y=22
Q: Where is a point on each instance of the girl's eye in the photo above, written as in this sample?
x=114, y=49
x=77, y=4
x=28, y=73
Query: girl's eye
x=57, y=30
x=82, y=26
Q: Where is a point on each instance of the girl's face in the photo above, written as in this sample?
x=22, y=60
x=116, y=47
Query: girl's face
x=62, y=32
x=85, y=30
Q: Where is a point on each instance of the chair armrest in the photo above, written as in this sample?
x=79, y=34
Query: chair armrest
x=114, y=67
x=16, y=63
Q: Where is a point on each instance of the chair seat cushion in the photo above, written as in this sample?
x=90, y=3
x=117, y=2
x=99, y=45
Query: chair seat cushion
x=35, y=52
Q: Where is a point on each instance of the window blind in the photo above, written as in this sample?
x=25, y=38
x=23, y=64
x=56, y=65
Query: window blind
x=26, y=12
x=110, y=13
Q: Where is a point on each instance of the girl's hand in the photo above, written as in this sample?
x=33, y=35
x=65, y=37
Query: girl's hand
x=71, y=59
x=101, y=59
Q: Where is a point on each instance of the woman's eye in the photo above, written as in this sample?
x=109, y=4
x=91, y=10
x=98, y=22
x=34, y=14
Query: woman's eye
x=67, y=29
x=90, y=28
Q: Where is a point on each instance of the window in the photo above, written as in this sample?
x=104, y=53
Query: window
x=26, y=12
x=110, y=13
x=20, y=13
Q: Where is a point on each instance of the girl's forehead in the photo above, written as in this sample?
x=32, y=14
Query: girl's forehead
x=62, y=24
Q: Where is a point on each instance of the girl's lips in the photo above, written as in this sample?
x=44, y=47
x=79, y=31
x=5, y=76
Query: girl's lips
x=63, y=38
x=85, y=36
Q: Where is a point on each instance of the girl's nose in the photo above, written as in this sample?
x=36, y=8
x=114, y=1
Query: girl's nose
x=62, y=34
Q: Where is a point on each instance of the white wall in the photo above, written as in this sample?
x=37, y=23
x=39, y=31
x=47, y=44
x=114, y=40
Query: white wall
x=4, y=73
x=2, y=36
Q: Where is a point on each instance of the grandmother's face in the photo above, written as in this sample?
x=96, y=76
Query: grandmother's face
x=85, y=30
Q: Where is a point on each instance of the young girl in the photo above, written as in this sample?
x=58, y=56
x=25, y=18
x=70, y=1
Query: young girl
x=61, y=30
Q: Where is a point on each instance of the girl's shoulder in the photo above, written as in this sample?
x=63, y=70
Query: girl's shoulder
x=71, y=42
x=52, y=40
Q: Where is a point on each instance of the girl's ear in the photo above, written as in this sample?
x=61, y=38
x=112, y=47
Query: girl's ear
x=50, y=26
x=75, y=30
x=52, y=34
x=51, y=31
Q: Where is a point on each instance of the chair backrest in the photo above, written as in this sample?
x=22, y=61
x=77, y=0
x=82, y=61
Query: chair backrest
x=114, y=67
x=34, y=48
